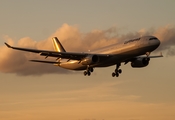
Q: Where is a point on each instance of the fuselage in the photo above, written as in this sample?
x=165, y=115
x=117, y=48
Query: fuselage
x=117, y=53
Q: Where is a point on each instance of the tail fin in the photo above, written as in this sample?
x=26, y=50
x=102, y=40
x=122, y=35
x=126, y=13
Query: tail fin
x=57, y=45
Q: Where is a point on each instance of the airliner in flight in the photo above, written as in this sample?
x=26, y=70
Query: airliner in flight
x=136, y=51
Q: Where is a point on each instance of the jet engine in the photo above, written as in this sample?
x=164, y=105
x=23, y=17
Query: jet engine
x=90, y=59
x=140, y=62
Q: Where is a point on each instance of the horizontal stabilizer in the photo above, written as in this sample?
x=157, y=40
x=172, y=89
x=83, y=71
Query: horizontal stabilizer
x=50, y=62
x=156, y=56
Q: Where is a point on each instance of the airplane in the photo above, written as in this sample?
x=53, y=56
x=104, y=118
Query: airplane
x=137, y=51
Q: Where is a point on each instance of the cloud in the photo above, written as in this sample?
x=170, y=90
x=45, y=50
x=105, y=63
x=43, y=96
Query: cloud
x=73, y=39
x=167, y=36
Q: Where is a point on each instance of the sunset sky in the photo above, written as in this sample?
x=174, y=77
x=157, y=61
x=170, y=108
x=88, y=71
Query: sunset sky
x=35, y=91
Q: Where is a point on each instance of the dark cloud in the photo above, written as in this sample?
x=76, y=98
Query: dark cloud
x=12, y=61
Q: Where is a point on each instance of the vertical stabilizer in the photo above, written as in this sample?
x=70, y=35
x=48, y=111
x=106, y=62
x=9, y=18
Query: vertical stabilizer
x=57, y=45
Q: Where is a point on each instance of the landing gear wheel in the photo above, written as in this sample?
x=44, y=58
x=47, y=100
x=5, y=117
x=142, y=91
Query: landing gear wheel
x=85, y=73
x=89, y=73
x=113, y=74
x=117, y=75
x=119, y=71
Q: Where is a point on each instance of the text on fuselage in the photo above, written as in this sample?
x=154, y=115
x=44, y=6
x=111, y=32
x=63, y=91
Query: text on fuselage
x=133, y=40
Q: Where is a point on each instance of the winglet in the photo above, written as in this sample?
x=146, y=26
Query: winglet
x=8, y=45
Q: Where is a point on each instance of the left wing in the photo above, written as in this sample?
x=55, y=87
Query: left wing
x=66, y=55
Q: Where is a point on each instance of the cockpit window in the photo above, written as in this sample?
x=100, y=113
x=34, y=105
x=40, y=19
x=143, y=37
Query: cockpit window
x=153, y=38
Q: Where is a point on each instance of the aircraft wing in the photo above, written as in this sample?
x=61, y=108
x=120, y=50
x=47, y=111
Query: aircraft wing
x=66, y=55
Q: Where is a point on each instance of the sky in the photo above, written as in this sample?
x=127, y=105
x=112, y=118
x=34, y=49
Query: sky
x=40, y=92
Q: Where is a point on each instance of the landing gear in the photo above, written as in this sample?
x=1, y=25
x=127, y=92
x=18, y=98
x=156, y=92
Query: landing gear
x=88, y=71
x=115, y=74
x=147, y=54
x=117, y=71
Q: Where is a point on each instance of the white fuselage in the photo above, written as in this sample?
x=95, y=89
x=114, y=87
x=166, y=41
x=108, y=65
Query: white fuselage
x=116, y=53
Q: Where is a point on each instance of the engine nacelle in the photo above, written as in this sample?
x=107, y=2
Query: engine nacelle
x=90, y=59
x=140, y=62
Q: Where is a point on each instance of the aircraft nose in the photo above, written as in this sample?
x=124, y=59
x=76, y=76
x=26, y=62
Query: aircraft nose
x=155, y=42
x=158, y=42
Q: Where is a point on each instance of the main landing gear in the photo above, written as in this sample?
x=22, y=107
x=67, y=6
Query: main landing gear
x=117, y=71
x=88, y=71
